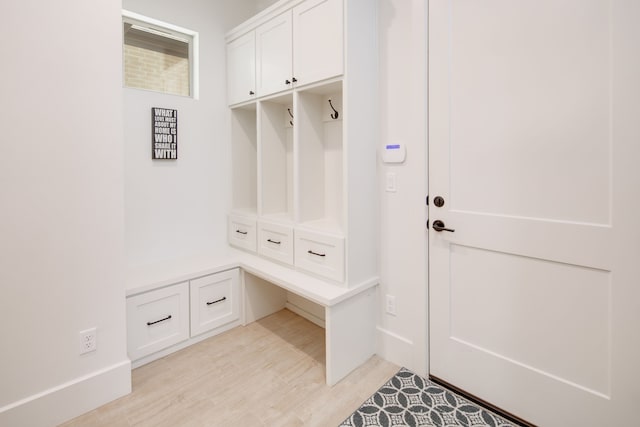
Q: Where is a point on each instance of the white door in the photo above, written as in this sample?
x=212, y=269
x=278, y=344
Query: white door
x=534, y=146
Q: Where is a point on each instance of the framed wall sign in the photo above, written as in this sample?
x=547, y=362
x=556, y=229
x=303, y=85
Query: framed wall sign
x=164, y=134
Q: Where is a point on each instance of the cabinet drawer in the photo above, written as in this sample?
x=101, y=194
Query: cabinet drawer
x=320, y=254
x=276, y=242
x=157, y=320
x=242, y=232
x=215, y=301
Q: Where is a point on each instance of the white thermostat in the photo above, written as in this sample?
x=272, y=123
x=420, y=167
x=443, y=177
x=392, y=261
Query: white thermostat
x=394, y=153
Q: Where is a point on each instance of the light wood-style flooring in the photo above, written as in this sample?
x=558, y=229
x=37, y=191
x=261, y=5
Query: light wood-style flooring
x=269, y=373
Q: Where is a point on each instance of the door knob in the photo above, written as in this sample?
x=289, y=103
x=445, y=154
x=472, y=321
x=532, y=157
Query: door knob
x=439, y=226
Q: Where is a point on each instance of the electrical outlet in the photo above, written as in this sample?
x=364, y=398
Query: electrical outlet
x=391, y=305
x=88, y=341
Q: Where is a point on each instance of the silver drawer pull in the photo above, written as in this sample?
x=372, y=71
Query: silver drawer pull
x=274, y=241
x=242, y=232
x=158, y=321
x=217, y=301
x=315, y=253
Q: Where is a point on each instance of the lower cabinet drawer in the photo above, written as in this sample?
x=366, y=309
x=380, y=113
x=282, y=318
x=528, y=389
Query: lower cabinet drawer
x=215, y=301
x=242, y=232
x=320, y=254
x=276, y=242
x=157, y=319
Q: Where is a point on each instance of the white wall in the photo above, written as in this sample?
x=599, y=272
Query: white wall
x=177, y=208
x=263, y=4
x=403, y=338
x=61, y=221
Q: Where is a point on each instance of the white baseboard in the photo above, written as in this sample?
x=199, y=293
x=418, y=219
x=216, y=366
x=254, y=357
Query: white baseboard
x=184, y=344
x=396, y=349
x=69, y=400
x=304, y=313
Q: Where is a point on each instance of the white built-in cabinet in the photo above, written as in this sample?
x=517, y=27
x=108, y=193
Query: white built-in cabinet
x=296, y=44
x=163, y=317
x=157, y=320
x=214, y=301
x=304, y=149
x=318, y=47
x=302, y=91
x=274, y=59
x=241, y=69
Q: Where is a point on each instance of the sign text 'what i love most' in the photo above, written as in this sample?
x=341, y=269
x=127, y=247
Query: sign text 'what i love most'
x=164, y=133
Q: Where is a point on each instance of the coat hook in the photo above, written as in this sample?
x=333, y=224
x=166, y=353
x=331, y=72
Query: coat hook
x=335, y=114
x=290, y=121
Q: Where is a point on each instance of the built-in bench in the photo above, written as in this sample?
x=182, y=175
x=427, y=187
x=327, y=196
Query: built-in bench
x=349, y=312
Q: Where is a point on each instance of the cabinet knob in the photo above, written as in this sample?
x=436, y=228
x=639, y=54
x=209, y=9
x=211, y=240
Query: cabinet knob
x=251, y=92
x=287, y=82
x=294, y=79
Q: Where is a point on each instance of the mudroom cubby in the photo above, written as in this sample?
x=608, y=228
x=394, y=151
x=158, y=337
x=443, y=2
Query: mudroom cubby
x=308, y=184
x=275, y=121
x=320, y=157
x=244, y=153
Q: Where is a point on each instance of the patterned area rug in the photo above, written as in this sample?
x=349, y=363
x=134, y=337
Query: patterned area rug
x=410, y=400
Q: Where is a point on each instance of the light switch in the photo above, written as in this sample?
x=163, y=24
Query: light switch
x=391, y=182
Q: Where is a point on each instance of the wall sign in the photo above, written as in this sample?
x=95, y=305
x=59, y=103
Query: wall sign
x=164, y=133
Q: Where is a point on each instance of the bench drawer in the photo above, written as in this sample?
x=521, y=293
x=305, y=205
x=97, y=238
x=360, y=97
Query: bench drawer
x=157, y=319
x=215, y=301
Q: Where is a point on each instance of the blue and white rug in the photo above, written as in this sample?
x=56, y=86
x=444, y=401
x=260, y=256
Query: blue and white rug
x=408, y=399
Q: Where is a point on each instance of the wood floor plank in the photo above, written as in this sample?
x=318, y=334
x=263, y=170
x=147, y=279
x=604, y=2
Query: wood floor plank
x=269, y=373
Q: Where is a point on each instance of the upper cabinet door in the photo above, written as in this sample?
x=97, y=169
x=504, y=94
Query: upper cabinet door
x=241, y=69
x=318, y=40
x=273, y=55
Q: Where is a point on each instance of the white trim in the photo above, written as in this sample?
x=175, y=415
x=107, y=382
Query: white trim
x=305, y=314
x=71, y=399
x=195, y=72
x=184, y=344
x=194, y=46
x=399, y=350
x=158, y=23
x=270, y=12
x=152, y=30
